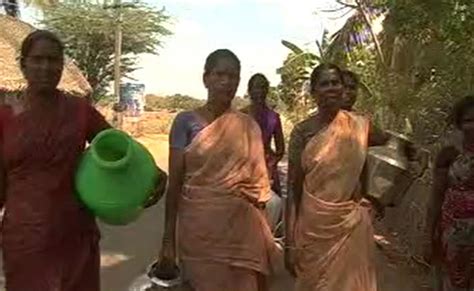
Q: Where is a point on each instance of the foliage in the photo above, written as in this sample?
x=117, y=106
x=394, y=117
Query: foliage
x=295, y=73
x=431, y=60
x=180, y=102
x=88, y=31
x=176, y=102
x=423, y=63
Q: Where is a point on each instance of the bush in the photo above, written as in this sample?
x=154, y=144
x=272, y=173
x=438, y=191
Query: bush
x=176, y=102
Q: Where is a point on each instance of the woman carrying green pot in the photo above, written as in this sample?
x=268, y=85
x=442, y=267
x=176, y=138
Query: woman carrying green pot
x=49, y=240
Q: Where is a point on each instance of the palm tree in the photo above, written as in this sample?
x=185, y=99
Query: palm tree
x=359, y=28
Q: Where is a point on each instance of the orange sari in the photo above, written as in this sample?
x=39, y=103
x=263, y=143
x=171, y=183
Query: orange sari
x=225, y=242
x=333, y=233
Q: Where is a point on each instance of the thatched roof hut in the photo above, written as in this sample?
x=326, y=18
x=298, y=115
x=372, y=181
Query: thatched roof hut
x=12, y=34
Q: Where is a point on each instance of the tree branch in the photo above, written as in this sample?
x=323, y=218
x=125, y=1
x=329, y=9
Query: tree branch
x=347, y=4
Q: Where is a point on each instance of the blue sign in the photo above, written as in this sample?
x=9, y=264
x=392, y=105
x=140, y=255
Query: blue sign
x=133, y=96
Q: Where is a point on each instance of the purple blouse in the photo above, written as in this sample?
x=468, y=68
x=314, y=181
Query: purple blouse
x=270, y=123
x=184, y=129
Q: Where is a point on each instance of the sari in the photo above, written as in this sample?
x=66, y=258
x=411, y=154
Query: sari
x=456, y=228
x=333, y=231
x=224, y=240
x=50, y=242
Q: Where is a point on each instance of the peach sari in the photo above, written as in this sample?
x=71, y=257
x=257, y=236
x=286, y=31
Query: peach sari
x=225, y=242
x=333, y=234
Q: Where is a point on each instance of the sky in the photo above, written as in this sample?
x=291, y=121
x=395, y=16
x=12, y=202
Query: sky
x=252, y=29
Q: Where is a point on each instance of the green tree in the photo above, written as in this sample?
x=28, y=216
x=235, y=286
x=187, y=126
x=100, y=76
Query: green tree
x=421, y=66
x=88, y=31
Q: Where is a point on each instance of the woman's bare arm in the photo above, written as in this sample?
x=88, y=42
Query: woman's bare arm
x=95, y=122
x=440, y=183
x=279, y=141
x=295, y=184
x=3, y=182
x=175, y=186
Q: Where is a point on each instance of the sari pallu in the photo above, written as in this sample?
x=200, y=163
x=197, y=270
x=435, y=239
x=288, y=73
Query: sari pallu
x=221, y=226
x=333, y=233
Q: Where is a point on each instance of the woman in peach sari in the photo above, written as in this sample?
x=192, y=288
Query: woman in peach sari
x=329, y=239
x=218, y=186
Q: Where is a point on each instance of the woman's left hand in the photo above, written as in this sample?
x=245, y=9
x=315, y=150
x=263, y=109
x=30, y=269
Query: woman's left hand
x=159, y=189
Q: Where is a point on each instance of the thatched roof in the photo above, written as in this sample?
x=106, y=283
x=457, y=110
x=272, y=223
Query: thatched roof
x=12, y=34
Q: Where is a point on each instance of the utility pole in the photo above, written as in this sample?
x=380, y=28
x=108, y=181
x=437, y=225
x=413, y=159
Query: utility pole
x=118, y=55
x=118, y=49
x=118, y=110
x=118, y=107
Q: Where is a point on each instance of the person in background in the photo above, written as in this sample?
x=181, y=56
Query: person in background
x=49, y=240
x=329, y=236
x=450, y=220
x=218, y=187
x=270, y=125
x=351, y=89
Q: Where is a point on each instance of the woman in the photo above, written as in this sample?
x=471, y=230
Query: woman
x=451, y=211
x=329, y=239
x=49, y=240
x=270, y=125
x=218, y=184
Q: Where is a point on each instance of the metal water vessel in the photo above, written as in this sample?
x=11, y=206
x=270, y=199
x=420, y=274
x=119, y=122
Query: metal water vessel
x=388, y=170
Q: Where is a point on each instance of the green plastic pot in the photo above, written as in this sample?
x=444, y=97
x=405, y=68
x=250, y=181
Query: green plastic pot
x=116, y=176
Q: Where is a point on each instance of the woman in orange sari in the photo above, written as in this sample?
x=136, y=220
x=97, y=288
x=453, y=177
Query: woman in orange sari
x=329, y=239
x=218, y=186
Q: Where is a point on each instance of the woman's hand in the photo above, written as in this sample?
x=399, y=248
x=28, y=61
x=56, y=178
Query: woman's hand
x=166, y=265
x=159, y=191
x=377, y=210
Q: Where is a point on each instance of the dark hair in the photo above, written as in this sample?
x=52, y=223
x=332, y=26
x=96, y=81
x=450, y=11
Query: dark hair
x=35, y=36
x=258, y=76
x=316, y=74
x=215, y=56
x=346, y=74
x=461, y=108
